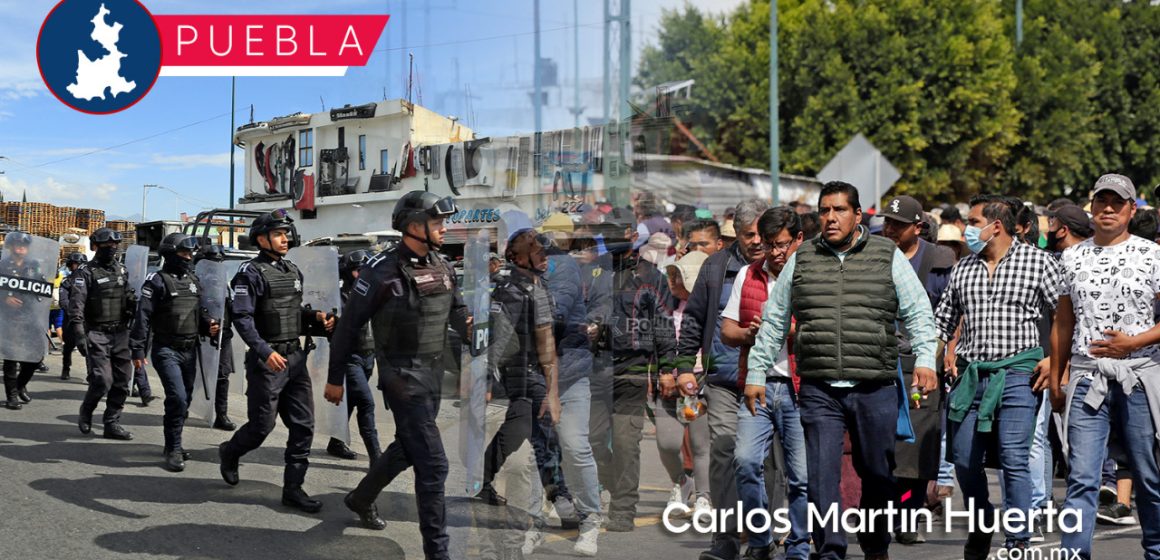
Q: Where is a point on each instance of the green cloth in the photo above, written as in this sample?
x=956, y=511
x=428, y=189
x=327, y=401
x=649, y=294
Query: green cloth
x=964, y=393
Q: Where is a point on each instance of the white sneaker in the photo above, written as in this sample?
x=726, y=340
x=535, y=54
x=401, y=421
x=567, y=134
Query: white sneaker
x=533, y=539
x=586, y=542
x=702, y=505
x=676, y=496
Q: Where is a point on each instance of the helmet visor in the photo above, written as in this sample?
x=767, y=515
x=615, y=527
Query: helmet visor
x=445, y=207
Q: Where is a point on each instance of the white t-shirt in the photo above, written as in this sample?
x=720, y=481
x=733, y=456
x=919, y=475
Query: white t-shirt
x=1111, y=288
x=733, y=311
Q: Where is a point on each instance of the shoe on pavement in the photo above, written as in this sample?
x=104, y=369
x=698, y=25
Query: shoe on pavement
x=223, y=423
x=64, y=376
x=229, y=464
x=702, y=506
x=339, y=448
x=294, y=496
x=756, y=553
x=620, y=525
x=369, y=517
x=725, y=547
x=676, y=496
x=117, y=432
x=175, y=460
x=1115, y=514
x=146, y=399
x=978, y=546
x=488, y=495
x=85, y=422
x=532, y=540
x=589, y=533
x=1108, y=495
x=24, y=396
x=14, y=404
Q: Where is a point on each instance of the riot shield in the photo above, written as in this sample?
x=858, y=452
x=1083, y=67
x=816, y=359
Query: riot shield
x=236, y=346
x=136, y=266
x=27, y=270
x=473, y=379
x=212, y=293
x=320, y=290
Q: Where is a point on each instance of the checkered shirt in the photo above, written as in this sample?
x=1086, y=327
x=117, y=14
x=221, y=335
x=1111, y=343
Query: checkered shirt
x=999, y=314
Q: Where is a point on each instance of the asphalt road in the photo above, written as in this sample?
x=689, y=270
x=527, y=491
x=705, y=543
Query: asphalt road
x=68, y=496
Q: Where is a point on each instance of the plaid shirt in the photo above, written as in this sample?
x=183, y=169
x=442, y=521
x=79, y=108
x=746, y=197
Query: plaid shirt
x=1000, y=314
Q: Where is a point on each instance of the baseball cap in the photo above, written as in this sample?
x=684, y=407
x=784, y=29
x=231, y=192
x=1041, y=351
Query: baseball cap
x=950, y=232
x=656, y=249
x=1116, y=183
x=689, y=267
x=1075, y=219
x=904, y=209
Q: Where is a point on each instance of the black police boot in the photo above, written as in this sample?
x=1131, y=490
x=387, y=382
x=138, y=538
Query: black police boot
x=223, y=423
x=12, y=394
x=24, y=396
x=229, y=464
x=13, y=403
x=85, y=421
x=175, y=460
x=294, y=496
x=118, y=432
x=756, y=553
x=488, y=495
x=978, y=546
x=42, y=368
x=64, y=376
x=369, y=516
x=147, y=398
x=725, y=547
x=339, y=448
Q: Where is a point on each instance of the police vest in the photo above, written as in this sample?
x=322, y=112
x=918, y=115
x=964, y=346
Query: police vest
x=177, y=315
x=517, y=304
x=278, y=315
x=431, y=285
x=106, y=296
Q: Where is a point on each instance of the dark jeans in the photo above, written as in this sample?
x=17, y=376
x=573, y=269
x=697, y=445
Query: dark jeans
x=417, y=443
x=869, y=412
x=17, y=375
x=525, y=397
x=70, y=344
x=176, y=368
x=629, y=394
x=360, y=398
x=221, y=401
x=110, y=368
x=270, y=394
x=141, y=381
x=1013, y=428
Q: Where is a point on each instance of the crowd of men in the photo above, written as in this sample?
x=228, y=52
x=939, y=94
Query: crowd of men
x=788, y=358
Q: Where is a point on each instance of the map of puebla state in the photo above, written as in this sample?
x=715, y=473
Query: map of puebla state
x=94, y=76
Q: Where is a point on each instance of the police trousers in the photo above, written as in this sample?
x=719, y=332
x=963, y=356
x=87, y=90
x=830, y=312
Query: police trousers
x=272, y=394
x=110, y=371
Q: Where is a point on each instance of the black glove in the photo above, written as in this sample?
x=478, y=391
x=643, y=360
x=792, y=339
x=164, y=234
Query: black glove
x=83, y=349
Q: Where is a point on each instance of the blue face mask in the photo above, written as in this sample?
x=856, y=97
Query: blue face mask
x=971, y=235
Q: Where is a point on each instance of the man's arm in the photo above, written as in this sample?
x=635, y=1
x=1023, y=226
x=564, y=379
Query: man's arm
x=1062, y=332
x=693, y=323
x=366, y=297
x=76, y=303
x=151, y=293
x=948, y=313
x=733, y=334
x=915, y=311
x=247, y=288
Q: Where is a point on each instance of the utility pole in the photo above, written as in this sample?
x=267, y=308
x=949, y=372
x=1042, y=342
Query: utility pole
x=1018, y=22
x=774, y=120
x=607, y=98
x=576, y=110
x=144, y=192
x=233, y=110
x=536, y=78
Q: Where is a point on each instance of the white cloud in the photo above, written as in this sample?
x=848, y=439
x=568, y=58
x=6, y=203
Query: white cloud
x=188, y=161
x=52, y=191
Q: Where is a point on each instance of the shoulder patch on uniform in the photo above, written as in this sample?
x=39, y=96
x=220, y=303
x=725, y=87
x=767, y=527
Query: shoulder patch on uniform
x=596, y=272
x=241, y=290
x=375, y=260
x=146, y=291
x=361, y=287
x=245, y=266
x=150, y=276
x=79, y=280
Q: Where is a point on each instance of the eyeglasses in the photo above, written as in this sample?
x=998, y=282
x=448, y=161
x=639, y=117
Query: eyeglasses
x=780, y=247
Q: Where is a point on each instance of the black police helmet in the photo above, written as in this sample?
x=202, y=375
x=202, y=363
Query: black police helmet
x=105, y=235
x=76, y=258
x=273, y=221
x=175, y=242
x=17, y=239
x=420, y=204
x=353, y=261
x=215, y=253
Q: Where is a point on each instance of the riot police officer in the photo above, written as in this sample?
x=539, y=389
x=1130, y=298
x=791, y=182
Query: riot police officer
x=100, y=307
x=221, y=400
x=72, y=262
x=169, y=306
x=409, y=294
x=269, y=316
x=18, y=314
x=359, y=370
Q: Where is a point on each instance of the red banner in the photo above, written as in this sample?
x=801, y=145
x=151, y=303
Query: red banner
x=268, y=40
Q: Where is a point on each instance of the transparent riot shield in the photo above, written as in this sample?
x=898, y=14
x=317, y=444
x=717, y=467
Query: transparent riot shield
x=136, y=267
x=473, y=380
x=211, y=276
x=28, y=267
x=320, y=287
x=236, y=347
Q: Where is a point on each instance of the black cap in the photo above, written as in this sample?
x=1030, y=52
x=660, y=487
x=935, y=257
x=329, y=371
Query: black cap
x=1075, y=219
x=904, y=209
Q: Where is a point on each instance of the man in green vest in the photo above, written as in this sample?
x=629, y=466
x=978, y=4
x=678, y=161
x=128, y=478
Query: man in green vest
x=846, y=289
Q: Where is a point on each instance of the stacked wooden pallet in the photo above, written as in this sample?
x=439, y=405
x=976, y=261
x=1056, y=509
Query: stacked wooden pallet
x=127, y=229
x=36, y=218
x=90, y=219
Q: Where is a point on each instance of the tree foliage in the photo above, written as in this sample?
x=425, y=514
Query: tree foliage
x=938, y=85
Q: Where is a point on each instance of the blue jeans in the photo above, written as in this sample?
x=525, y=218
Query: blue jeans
x=1040, y=458
x=946, y=469
x=176, y=368
x=1087, y=436
x=869, y=411
x=360, y=398
x=1014, y=425
x=579, y=463
x=754, y=437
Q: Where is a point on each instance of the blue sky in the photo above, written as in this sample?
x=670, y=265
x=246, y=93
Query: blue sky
x=178, y=136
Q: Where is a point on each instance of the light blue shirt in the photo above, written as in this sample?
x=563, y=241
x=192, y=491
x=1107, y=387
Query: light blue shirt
x=913, y=308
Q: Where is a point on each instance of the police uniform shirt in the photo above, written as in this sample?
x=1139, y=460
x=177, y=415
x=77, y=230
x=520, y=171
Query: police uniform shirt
x=81, y=281
x=248, y=287
x=153, y=296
